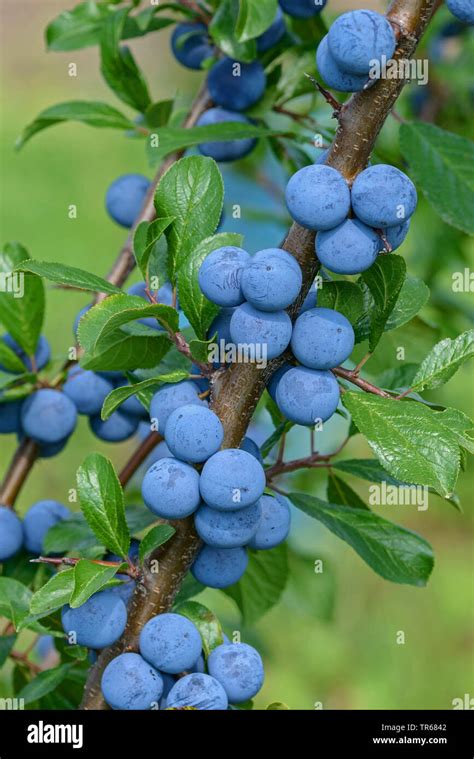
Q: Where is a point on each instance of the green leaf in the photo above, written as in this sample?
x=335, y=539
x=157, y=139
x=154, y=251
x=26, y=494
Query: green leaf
x=395, y=553
x=366, y=469
x=262, y=585
x=102, y=504
x=120, y=394
x=154, y=538
x=158, y=114
x=441, y=164
x=412, y=442
x=74, y=534
x=44, y=682
x=412, y=297
x=134, y=346
x=93, y=113
x=68, y=535
x=275, y=413
x=372, y=471
x=88, y=579
x=340, y=492
x=16, y=387
x=81, y=27
x=384, y=280
x=277, y=706
x=223, y=31
x=54, y=594
x=14, y=600
x=345, y=297
x=123, y=309
x=255, y=16
x=75, y=652
x=444, y=361
x=21, y=310
x=294, y=64
x=200, y=350
x=69, y=276
x=243, y=706
x=417, y=338
x=77, y=28
x=146, y=237
x=268, y=445
x=192, y=191
x=20, y=676
x=168, y=139
x=138, y=518
x=399, y=377
x=206, y=622
x=10, y=361
x=6, y=644
x=118, y=65
x=454, y=422
x=200, y=311
x=189, y=589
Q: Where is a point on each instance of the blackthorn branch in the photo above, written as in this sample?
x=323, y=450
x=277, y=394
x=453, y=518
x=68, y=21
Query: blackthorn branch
x=236, y=393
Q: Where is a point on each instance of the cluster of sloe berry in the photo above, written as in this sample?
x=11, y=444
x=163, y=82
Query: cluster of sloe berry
x=353, y=225
x=14, y=534
x=355, y=42
x=170, y=670
x=226, y=496
x=257, y=290
x=349, y=56
x=234, y=87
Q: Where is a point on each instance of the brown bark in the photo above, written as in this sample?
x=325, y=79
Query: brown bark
x=18, y=471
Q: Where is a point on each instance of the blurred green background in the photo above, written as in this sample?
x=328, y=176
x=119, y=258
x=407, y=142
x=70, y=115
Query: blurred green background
x=333, y=638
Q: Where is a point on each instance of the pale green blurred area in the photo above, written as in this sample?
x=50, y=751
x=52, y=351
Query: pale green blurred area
x=347, y=659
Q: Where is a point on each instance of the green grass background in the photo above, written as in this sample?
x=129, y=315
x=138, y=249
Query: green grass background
x=343, y=654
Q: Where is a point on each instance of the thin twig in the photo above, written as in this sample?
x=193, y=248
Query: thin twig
x=368, y=387
x=18, y=471
x=139, y=456
x=281, y=448
x=315, y=460
x=356, y=371
x=17, y=656
x=336, y=105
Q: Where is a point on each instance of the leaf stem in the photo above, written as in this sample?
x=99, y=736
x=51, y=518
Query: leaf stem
x=356, y=371
x=138, y=457
x=315, y=460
